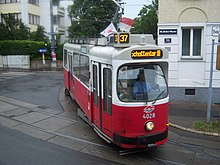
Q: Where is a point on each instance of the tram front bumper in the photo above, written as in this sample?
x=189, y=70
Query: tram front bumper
x=140, y=140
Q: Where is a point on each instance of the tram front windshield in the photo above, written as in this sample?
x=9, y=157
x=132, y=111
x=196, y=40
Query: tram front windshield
x=141, y=83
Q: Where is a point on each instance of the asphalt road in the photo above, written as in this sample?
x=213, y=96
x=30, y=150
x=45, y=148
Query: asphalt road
x=41, y=88
x=19, y=149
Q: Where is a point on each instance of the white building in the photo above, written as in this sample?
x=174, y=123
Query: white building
x=186, y=28
x=37, y=12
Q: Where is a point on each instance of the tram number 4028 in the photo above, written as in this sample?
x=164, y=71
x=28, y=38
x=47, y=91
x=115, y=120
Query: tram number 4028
x=149, y=115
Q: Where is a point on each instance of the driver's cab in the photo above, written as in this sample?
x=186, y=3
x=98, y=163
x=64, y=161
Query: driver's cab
x=143, y=83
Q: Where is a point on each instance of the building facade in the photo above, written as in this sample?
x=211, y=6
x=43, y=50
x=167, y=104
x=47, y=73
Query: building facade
x=186, y=29
x=27, y=10
x=38, y=12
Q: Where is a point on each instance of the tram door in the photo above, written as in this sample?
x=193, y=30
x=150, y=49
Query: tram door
x=102, y=96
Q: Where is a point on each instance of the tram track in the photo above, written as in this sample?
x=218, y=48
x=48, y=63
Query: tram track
x=200, y=149
x=197, y=149
x=164, y=161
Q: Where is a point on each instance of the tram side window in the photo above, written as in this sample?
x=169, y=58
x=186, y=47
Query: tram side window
x=70, y=62
x=65, y=59
x=95, y=85
x=76, y=65
x=84, y=69
x=107, y=84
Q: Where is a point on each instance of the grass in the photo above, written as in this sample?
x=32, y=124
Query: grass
x=206, y=127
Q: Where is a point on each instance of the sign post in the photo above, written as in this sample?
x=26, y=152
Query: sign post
x=209, y=104
x=43, y=50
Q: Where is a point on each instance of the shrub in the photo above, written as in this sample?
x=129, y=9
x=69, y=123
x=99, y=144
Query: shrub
x=27, y=47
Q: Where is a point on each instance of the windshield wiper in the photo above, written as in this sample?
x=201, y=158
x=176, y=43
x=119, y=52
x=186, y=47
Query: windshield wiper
x=158, y=96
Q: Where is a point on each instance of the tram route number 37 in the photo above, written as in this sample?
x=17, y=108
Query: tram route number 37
x=122, y=38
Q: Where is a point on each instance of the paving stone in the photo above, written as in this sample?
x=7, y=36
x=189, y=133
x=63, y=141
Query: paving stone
x=5, y=106
x=70, y=115
x=53, y=124
x=68, y=143
x=31, y=117
x=15, y=112
x=29, y=130
x=18, y=102
x=7, y=122
x=79, y=130
x=46, y=111
x=112, y=155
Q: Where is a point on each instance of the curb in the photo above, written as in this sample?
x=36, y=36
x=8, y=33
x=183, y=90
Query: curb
x=194, y=131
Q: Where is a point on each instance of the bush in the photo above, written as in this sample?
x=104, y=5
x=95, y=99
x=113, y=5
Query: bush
x=27, y=47
x=19, y=47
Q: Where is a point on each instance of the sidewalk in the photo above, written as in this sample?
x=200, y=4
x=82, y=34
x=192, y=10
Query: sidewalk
x=183, y=115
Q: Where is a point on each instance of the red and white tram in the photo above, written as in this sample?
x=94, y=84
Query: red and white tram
x=100, y=76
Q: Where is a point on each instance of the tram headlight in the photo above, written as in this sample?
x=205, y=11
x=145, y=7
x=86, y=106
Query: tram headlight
x=149, y=126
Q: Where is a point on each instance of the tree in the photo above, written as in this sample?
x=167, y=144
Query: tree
x=90, y=17
x=39, y=34
x=147, y=20
x=13, y=29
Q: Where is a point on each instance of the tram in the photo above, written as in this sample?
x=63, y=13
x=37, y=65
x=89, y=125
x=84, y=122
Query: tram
x=101, y=75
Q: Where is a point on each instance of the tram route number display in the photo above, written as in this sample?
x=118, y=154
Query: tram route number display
x=121, y=38
x=146, y=54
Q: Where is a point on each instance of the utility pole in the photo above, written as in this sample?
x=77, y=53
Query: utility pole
x=209, y=102
x=51, y=28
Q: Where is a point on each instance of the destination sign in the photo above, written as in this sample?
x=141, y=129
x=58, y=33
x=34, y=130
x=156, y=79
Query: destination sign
x=147, y=54
x=121, y=38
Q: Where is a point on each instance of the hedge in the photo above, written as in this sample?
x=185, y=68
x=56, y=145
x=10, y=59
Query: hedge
x=26, y=47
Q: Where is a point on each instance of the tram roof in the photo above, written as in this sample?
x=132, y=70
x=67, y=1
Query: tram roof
x=108, y=49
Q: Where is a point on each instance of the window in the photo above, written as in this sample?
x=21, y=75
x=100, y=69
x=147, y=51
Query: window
x=34, y=19
x=95, y=85
x=65, y=59
x=17, y=16
x=191, y=42
x=84, y=69
x=34, y=2
x=76, y=64
x=9, y=1
x=107, y=85
x=141, y=83
x=81, y=67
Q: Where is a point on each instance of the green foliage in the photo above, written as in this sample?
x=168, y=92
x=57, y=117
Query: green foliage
x=90, y=17
x=12, y=29
x=204, y=126
x=26, y=47
x=20, y=47
x=39, y=34
x=147, y=20
x=59, y=51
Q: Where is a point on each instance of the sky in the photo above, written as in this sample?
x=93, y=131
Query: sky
x=133, y=7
